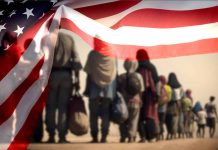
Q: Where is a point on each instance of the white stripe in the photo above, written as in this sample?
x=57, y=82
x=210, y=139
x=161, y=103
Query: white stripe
x=156, y=4
x=139, y=35
x=22, y=69
x=23, y=109
x=84, y=3
x=153, y=37
x=30, y=97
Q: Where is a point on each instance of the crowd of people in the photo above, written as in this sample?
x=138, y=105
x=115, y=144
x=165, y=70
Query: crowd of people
x=153, y=101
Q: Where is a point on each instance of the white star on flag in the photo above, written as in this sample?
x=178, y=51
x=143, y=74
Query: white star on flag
x=7, y=47
x=43, y=14
x=12, y=13
x=24, y=1
x=2, y=27
x=53, y=1
x=29, y=12
x=9, y=1
x=1, y=12
x=19, y=30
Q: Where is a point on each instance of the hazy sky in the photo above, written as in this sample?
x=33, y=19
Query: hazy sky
x=197, y=72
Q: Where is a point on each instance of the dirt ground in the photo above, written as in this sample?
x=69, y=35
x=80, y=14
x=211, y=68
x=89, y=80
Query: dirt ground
x=82, y=143
x=181, y=144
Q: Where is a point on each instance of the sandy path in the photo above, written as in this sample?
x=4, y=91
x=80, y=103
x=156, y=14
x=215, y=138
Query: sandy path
x=182, y=144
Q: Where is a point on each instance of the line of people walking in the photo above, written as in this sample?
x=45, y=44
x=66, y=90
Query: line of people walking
x=151, y=100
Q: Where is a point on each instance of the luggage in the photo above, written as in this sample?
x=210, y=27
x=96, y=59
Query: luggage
x=119, y=111
x=133, y=84
x=78, y=120
x=163, y=98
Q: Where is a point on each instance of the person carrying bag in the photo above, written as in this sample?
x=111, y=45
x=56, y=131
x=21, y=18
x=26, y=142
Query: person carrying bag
x=78, y=122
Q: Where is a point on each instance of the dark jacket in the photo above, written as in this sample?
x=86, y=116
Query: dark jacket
x=65, y=55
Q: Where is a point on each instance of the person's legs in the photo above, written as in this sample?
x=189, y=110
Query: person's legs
x=133, y=120
x=161, y=125
x=123, y=132
x=211, y=124
x=191, y=128
x=94, y=112
x=181, y=125
x=175, y=120
x=150, y=129
x=65, y=90
x=213, y=127
x=141, y=126
x=105, y=116
x=186, y=125
x=203, y=130
x=198, y=131
x=51, y=106
x=210, y=131
x=38, y=133
x=169, y=126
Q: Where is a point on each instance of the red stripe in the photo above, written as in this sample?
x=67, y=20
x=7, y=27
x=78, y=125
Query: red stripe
x=8, y=107
x=12, y=56
x=107, y=9
x=166, y=51
x=155, y=52
x=22, y=139
x=156, y=18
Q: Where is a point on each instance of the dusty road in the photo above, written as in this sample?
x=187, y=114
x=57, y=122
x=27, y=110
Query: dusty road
x=82, y=143
x=182, y=144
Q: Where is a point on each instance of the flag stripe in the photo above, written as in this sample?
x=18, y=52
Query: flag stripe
x=155, y=52
x=162, y=37
x=155, y=18
x=22, y=111
x=141, y=36
x=22, y=139
x=108, y=9
x=33, y=53
x=11, y=103
x=167, y=5
x=31, y=96
x=85, y=3
x=29, y=34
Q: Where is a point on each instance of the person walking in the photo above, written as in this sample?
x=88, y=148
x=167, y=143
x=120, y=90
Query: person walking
x=187, y=111
x=65, y=64
x=148, y=121
x=100, y=88
x=130, y=84
x=165, y=96
x=210, y=108
x=175, y=106
x=202, y=115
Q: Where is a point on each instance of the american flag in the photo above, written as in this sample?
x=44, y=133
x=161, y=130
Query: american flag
x=18, y=16
x=165, y=29
x=18, y=103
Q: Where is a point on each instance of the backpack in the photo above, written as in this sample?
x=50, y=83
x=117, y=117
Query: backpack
x=119, y=111
x=197, y=107
x=186, y=104
x=133, y=85
x=164, y=97
x=78, y=122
